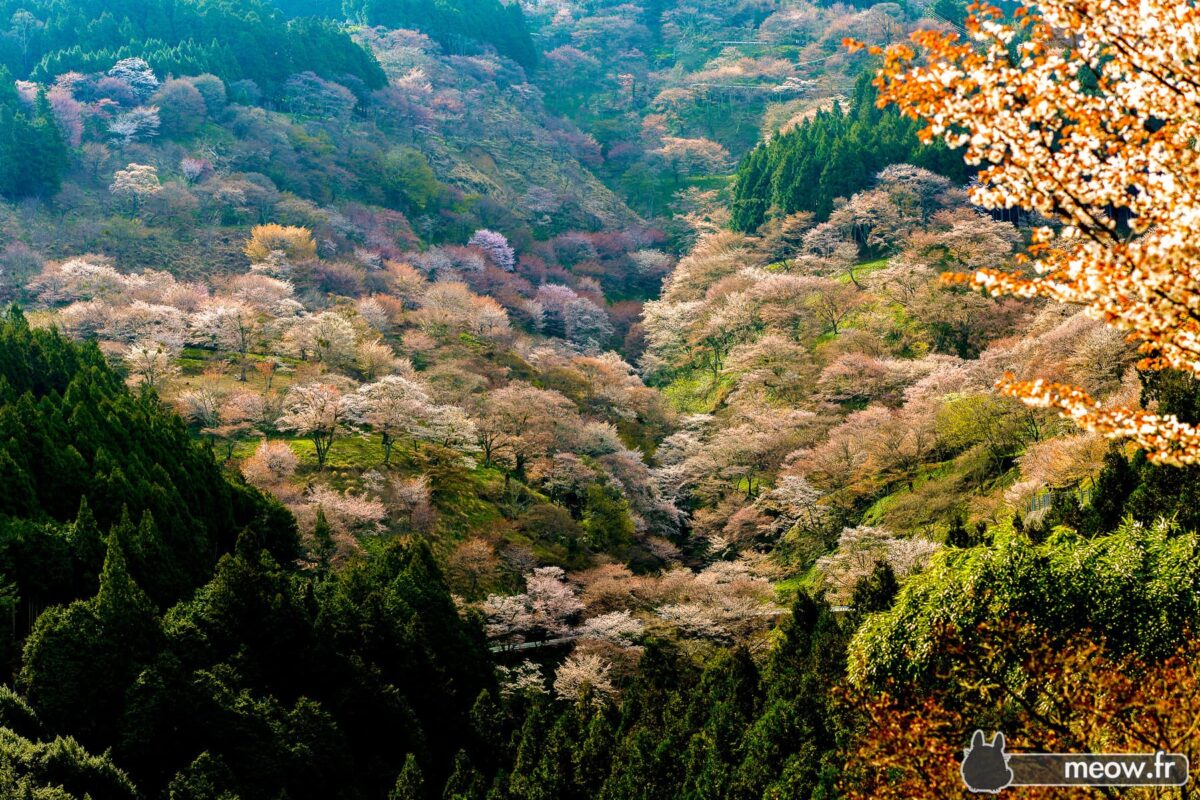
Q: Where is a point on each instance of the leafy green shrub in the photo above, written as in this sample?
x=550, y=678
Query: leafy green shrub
x=1138, y=587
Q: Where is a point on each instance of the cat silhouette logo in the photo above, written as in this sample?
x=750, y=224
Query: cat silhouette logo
x=985, y=766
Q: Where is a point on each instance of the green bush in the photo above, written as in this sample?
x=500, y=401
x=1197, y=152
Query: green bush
x=1139, y=588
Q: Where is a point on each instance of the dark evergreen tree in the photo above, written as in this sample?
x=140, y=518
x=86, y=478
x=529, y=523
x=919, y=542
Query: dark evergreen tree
x=33, y=155
x=465, y=782
x=876, y=591
x=1132, y=486
x=410, y=785
x=244, y=40
x=455, y=24
x=81, y=658
x=958, y=535
x=323, y=537
x=834, y=154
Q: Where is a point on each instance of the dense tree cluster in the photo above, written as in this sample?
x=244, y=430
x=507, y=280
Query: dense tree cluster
x=33, y=153
x=730, y=727
x=1121, y=220
x=453, y=24
x=831, y=156
x=83, y=455
x=115, y=517
x=424, y=370
x=247, y=41
x=830, y=370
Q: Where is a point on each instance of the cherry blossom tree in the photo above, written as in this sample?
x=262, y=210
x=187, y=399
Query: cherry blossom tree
x=78, y=279
x=393, y=407
x=328, y=337
x=201, y=406
x=231, y=326
x=796, y=503
x=272, y=462
x=265, y=294
x=137, y=124
x=306, y=94
x=685, y=156
x=319, y=411
x=474, y=562
x=145, y=321
x=251, y=409
x=860, y=548
x=135, y=183
x=193, y=169
x=1099, y=138
x=916, y=192
x=616, y=627
x=584, y=672
x=137, y=74
x=833, y=302
x=411, y=499
x=450, y=308
x=586, y=324
x=496, y=246
x=520, y=422
x=524, y=679
x=374, y=313
x=450, y=427
x=346, y=511
x=68, y=112
x=376, y=358
x=546, y=608
x=151, y=364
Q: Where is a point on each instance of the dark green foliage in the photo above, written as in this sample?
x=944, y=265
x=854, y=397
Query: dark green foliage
x=1132, y=486
x=1116, y=481
x=408, y=182
x=1172, y=492
x=33, y=154
x=606, y=521
x=875, y=592
x=465, y=782
x=17, y=716
x=832, y=155
x=58, y=770
x=212, y=89
x=952, y=11
x=79, y=454
x=719, y=732
x=181, y=107
x=1146, y=492
x=323, y=537
x=206, y=778
x=268, y=680
x=234, y=41
x=267, y=683
x=451, y=23
x=410, y=785
x=1137, y=587
x=80, y=659
x=958, y=535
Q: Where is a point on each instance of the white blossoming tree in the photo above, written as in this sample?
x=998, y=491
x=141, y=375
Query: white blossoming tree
x=1084, y=111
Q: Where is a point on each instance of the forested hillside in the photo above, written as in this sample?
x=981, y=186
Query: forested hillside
x=245, y=41
x=832, y=155
x=549, y=400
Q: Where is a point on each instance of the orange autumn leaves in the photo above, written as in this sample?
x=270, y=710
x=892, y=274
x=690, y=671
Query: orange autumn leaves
x=1046, y=695
x=1085, y=111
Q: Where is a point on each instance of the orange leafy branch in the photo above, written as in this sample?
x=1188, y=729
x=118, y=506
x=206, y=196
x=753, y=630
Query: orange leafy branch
x=1084, y=111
